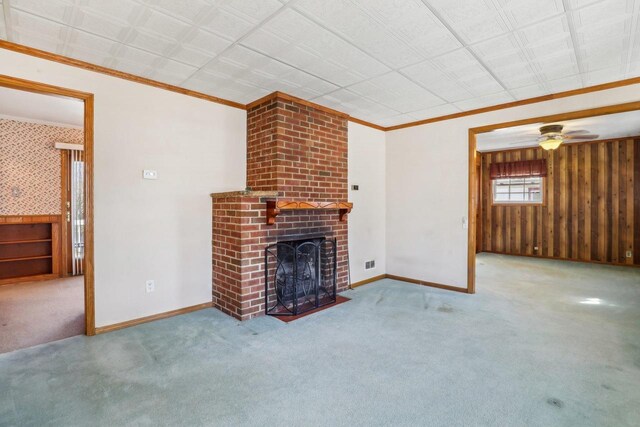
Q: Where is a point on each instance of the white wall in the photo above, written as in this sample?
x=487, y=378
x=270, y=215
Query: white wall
x=367, y=220
x=427, y=186
x=150, y=229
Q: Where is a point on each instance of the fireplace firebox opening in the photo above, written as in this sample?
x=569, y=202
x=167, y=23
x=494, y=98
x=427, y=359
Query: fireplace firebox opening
x=300, y=275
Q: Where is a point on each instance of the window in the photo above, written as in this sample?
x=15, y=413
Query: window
x=525, y=190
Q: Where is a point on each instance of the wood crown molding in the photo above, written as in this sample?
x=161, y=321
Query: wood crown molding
x=126, y=76
x=369, y=124
x=550, y=97
x=113, y=73
x=572, y=144
x=285, y=97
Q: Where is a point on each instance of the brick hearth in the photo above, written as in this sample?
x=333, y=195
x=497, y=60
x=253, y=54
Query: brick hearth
x=294, y=152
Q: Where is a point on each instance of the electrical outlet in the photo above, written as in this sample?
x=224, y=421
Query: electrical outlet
x=535, y=248
x=629, y=254
x=149, y=174
x=150, y=285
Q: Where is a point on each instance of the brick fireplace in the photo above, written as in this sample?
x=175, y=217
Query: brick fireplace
x=297, y=189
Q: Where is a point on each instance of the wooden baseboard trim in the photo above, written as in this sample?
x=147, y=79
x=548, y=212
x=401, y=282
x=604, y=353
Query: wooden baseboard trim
x=369, y=280
x=425, y=283
x=28, y=279
x=141, y=320
x=409, y=280
x=614, y=264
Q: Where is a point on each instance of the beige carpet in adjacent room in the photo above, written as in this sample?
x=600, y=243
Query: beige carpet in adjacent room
x=40, y=312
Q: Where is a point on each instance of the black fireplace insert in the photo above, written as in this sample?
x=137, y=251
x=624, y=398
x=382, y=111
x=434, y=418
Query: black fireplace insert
x=300, y=275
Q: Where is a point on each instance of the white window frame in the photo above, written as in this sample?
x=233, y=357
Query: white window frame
x=517, y=202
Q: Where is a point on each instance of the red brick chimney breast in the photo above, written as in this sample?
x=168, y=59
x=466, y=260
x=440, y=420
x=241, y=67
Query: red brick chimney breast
x=295, y=151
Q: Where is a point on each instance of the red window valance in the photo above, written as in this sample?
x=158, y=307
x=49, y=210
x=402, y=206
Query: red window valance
x=524, y=168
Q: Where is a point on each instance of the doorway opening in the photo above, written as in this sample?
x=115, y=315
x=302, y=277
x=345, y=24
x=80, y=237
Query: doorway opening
x=46, y=215
x=571, y=196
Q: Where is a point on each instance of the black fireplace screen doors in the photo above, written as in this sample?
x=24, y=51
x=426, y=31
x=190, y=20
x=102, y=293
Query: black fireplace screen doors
x=299, y=276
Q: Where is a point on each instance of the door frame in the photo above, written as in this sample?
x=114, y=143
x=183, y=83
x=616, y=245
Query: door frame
x=474, y=197
x=87, y=99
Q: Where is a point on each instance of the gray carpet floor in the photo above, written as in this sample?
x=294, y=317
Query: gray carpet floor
x=40, y=312
x=542, y=343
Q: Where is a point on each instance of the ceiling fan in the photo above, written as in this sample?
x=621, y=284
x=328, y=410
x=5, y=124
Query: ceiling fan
x=551, y=136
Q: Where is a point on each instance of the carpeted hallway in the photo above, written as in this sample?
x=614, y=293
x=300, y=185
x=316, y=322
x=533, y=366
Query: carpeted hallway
x=542, y=343
x=40, y=312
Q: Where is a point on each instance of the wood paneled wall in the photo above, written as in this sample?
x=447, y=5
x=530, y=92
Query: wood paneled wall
x=591, y=209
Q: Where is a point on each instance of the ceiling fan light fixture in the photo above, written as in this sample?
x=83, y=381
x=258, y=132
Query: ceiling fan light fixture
x=551, y=143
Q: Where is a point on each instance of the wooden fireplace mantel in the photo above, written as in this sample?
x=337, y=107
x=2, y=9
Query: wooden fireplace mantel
x=275, y=207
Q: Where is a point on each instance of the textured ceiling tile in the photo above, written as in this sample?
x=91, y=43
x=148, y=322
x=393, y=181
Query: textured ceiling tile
x=565, y=83
x=303, y=79
x=92, y=22
x=473, y=20
x=175, y=68
x=101, y=46
x=604, y=75
x=25, y=23
x=297, y=41
x=57, y=10
x=413, y=24
x=3, y=33
x=184, y=10
x=39, y=41
x=594, y=34
x=439, y=110
x=397, y=92
x=496, y=47
x=524, y=12
x=484, y=101
x=159, y=23
x=121, y=10
x=340, y=96
x=206, y=42
x=188, y=55
x=137, y=56
x=360, y=29
x=396, y=120
x=515, y=75
x=226, y=24
x=151, y=42
x=290, y=25
x=605, y=54
x=576, y=4
x=399, y=56
x=531, y=91
x=604, y=12
x=555, y=30
x=254, y=10
x=436, y=81
x=340, y=52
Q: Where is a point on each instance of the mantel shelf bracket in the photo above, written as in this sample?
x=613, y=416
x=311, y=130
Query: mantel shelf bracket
x=275, y=207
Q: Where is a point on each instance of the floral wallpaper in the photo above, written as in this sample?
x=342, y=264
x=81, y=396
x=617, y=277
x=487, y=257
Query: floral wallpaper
x=30, y=167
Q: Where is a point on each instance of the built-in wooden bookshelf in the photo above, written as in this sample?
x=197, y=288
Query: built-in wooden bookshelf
x=29, y=248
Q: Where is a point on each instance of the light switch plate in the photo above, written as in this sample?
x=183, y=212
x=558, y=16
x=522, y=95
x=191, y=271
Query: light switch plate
x=149, y=174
